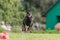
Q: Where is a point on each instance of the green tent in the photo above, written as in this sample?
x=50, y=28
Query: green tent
x=53, y=16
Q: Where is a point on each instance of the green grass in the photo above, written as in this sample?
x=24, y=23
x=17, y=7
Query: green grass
x=33, y=36
x=36, y=35
x=46, y=31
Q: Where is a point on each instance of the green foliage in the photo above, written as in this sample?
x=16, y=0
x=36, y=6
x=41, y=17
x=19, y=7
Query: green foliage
x=1, y=30
x=15, y=30
x=13, y=11
x=10, y=13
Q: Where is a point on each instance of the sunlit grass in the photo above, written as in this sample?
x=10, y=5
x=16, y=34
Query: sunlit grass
x=33, y=36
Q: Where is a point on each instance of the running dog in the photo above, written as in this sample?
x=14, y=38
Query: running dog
x=27, y=22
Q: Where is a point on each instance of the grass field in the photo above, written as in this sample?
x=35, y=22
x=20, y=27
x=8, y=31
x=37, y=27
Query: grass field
x=36, y=35
x=33, y=36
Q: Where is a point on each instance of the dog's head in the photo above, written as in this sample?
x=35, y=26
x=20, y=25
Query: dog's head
x=29, y=13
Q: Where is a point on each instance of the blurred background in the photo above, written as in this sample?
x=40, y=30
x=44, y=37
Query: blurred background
x=12, y=12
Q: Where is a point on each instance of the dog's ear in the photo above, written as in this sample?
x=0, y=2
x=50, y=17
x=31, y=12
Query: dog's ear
x=29, y=12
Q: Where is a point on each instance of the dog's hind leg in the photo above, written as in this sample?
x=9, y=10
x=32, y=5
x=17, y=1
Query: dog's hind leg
x=23, y=28
x=29, y=28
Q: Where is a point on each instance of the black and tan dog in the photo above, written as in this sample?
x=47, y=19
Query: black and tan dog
x=27, y=22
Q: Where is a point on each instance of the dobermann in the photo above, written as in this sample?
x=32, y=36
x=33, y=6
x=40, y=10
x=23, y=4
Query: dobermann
x=27, y=22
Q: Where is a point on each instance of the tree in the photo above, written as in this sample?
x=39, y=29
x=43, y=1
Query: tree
x=9, y=12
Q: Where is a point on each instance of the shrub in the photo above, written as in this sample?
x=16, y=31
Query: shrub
x=15, y=30
x=1, y=30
